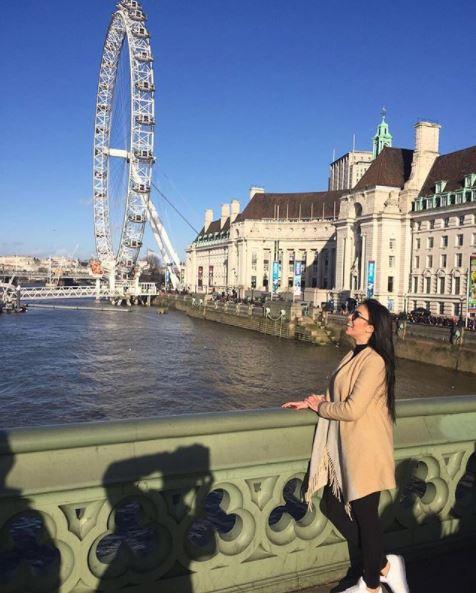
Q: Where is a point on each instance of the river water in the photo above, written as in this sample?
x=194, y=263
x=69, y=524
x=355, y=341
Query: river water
x=62, y=366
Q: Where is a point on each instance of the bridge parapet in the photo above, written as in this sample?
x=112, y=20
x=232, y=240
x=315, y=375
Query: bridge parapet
x=210, y=502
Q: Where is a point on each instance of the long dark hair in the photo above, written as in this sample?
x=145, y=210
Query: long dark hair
x=381, y=341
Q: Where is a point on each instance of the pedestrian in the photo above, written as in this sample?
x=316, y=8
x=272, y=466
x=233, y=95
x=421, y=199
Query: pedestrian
x=352, y=455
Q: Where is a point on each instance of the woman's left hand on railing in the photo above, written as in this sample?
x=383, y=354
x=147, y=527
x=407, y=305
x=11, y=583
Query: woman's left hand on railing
x=311, y=402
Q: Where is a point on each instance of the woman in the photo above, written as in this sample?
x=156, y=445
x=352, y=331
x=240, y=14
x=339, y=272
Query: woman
x=353, y=446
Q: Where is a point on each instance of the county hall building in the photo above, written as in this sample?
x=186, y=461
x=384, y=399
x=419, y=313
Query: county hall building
x=397, y=224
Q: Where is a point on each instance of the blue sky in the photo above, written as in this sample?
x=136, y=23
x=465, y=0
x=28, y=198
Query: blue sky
x=250, y=92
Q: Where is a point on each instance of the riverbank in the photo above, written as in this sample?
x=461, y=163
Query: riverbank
x=272, y=320
x=285, y=320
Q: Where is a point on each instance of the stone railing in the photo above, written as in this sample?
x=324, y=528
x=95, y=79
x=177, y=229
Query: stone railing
x=211, y=502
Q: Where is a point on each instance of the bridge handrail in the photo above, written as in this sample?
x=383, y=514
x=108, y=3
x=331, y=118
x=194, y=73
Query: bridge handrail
x=44, y=438
x=75, y=477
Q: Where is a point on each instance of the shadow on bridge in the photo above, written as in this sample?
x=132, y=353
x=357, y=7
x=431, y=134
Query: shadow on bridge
x=160, y=520
x=29, y=556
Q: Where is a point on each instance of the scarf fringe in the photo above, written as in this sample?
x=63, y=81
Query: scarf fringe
x=327, y=470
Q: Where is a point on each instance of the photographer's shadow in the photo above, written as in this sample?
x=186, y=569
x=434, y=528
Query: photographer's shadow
x=162, y=516
x=30, y=558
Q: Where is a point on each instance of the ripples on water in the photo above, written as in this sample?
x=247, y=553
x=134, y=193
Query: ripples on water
x=71, y=366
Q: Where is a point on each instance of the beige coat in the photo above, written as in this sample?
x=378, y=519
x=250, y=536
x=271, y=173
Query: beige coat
x=357, y=398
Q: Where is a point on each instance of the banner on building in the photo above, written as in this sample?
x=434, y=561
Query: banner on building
x=297, y=278
x=370, y=279
x=472, y=284
x=276, y=274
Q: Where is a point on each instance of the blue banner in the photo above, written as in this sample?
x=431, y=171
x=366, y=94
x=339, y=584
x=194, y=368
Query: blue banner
x=276, y=274
x=297, y=278
x=370, y=279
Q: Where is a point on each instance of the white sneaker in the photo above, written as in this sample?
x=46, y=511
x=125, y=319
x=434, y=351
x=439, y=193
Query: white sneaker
x=360, y=587
x=396, y=577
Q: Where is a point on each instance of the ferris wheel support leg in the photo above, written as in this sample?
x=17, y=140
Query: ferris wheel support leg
x=98, y=289
x=112, y=281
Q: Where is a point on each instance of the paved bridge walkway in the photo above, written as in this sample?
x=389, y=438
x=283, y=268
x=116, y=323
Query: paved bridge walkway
x=454, y=572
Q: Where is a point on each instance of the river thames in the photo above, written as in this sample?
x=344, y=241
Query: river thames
x=63, y=366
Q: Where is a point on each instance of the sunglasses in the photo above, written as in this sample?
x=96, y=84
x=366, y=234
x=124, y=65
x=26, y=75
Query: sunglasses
x=357, y=314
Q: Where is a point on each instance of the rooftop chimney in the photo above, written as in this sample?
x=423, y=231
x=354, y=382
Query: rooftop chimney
x=208, y=219
x=225, y=214
x=426, y=150
x=234, y=210
x=256, y=190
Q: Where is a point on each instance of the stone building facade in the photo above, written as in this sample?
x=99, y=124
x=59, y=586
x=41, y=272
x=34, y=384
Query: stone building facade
x=237, y=251
x=444, y=234
x=409, y=222
x=346, y=171
x=404, y=233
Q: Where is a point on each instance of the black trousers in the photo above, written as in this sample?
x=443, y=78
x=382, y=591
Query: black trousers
x=364, y=530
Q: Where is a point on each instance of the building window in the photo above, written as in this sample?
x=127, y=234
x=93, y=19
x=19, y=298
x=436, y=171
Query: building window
x=459, y=240
x=391, y=243
x=443, y=260
x=390, y=284
x=457, y=285
x=429, y=243
x=458, y=260
x=266, y=265
x=444, y=241
x=432, y=224
x=253, y=282
x=415, y=283
x=446, y=222
x=428, y=285
x=417, y=261
x=456, y=309
x=441, y=308
x=210, y=275
x=461, y=220
x=418, y=226
x=391, y=261
x=200, y=276
x=290, y=282
x=428, y=305
x=314, y=282
x=429, y=261
x=417, y=246
x=473, y=240
x=442, y=285
x=254, y=261
x=265, y=281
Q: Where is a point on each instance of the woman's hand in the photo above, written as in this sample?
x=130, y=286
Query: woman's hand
x=314, y=401
x=302, y=405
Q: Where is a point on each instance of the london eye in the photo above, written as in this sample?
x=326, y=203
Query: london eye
x=124, y=147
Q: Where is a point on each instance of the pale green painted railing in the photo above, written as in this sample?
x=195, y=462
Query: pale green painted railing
x=80, y=487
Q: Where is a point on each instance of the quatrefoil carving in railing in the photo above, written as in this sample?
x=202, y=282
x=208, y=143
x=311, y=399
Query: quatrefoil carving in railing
x=221, y=525
x=292, y=519
x=426, y=492
x=465, y=490
x=32, y=558
x=136, y=543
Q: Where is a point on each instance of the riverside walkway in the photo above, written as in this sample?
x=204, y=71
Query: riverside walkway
x=211, y=503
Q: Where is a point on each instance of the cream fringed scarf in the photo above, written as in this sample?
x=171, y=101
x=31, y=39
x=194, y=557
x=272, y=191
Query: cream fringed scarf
x=325, y=462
